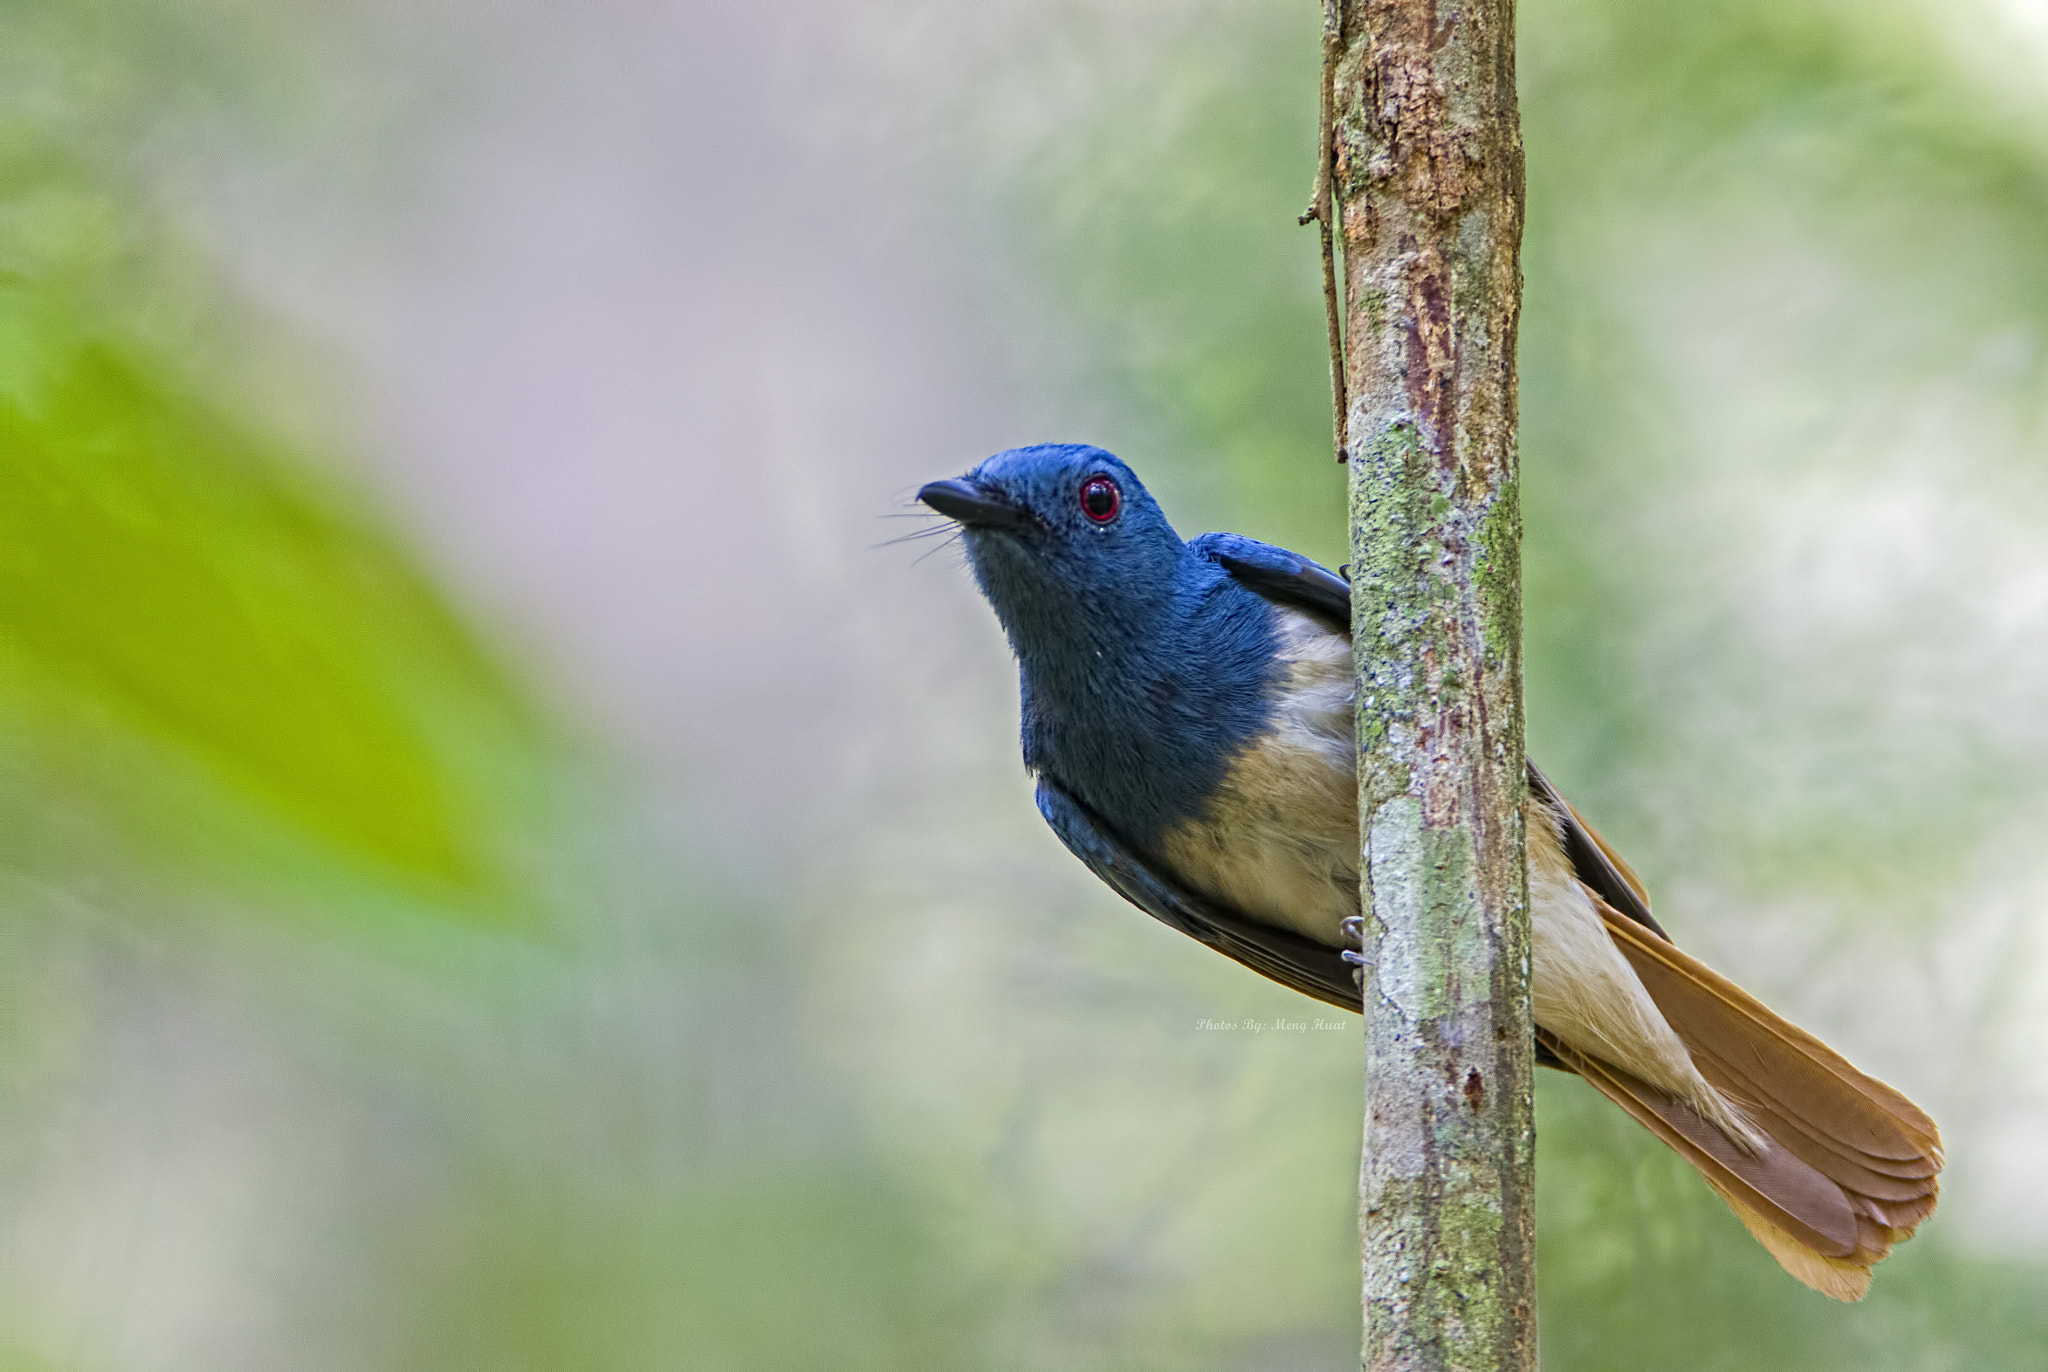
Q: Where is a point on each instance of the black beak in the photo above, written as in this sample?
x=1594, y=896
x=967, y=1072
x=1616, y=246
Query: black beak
x=977, y=507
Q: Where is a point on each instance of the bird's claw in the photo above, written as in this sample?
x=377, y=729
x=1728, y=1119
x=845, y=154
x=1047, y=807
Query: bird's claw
x=1353, y=956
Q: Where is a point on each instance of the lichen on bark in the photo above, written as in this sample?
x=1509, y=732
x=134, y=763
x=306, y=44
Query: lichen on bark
x=1427, y=189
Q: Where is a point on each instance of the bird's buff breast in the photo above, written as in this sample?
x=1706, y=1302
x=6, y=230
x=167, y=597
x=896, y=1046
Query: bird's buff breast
x=1279, y=838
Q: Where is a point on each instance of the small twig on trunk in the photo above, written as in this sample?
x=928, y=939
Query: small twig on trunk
x=1319, y=210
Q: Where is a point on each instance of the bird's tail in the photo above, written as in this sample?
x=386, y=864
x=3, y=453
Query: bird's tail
x=1850, y=1166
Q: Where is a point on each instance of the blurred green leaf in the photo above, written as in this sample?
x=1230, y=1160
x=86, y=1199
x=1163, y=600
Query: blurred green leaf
x=173, y=584
x=208, y=653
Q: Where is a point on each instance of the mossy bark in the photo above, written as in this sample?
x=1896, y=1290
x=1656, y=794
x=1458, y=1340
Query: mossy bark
x=1427, y=190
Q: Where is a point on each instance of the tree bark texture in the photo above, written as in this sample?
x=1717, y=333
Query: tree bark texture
x=1427, y=191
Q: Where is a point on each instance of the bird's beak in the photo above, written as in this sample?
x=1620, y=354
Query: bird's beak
x=977, y=507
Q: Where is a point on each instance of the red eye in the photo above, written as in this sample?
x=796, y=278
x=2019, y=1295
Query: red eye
x=1100, y=499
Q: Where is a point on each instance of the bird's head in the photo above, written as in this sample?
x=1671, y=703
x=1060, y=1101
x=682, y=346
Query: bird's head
x=1144, y=668
x=1062, y=537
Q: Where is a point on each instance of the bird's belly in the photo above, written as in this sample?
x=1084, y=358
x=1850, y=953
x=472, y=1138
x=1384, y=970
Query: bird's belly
x=1279, y=842
x=1278, y=839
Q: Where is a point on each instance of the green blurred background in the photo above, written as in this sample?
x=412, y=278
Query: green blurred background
x=505, y=866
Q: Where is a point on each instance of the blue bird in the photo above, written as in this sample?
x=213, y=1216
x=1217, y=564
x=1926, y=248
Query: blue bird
x=1188, y=711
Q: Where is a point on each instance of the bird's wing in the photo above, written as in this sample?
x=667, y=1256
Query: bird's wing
x=1595, y=864
x=1299, y=583
x=1312, y=968
x=1282, y=577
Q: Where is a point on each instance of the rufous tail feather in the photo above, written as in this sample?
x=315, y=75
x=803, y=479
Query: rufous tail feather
x=1849, y=1166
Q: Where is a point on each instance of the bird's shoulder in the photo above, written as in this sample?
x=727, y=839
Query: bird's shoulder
x=1282, y=577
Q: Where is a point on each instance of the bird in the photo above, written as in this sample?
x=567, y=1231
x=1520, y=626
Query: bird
x=1187, y=710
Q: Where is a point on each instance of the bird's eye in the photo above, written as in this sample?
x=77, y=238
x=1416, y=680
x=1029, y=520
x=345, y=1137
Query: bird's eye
x=1100, y=499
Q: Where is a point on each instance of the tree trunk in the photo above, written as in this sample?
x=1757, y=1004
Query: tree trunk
x=1426, y=179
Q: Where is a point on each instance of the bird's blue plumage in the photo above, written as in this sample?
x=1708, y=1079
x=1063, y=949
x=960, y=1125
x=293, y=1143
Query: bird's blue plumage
x=1282, y=577
x=1145, y=667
